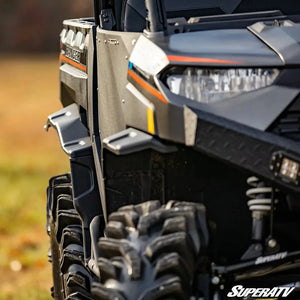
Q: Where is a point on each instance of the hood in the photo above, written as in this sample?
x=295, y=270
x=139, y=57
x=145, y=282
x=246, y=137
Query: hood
x=259, y=45
x=235, y=46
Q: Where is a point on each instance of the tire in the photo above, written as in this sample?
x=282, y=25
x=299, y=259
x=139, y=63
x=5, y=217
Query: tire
x=70, y=277
x=151, y=251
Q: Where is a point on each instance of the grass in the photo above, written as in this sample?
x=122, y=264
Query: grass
x=28, y=157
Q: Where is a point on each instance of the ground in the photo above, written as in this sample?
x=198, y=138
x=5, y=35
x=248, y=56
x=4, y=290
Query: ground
x=28, y=157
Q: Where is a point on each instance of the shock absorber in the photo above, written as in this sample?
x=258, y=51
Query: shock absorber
x=261, y=205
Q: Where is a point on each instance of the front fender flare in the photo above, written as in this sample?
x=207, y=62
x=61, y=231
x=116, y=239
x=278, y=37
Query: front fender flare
x=76, y=142
x=73, y=135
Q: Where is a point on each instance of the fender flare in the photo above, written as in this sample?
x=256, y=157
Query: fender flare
x=73, y=135
x=76, y=143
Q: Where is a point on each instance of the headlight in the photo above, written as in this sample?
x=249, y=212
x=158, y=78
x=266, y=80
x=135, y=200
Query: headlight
x=212, y=85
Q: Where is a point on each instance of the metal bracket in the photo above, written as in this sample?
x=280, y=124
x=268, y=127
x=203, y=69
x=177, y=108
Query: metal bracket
x=73, y=135
x=132, y=140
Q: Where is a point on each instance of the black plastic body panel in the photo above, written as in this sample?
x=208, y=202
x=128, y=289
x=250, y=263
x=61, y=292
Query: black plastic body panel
x=76, y=142
x=132, y=140
x=288, y=123
x=73, y=135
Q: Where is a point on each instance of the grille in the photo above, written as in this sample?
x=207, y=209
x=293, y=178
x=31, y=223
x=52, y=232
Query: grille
x=288, y=124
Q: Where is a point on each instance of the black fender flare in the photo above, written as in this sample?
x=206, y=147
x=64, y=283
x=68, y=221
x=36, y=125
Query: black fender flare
x=77, y=144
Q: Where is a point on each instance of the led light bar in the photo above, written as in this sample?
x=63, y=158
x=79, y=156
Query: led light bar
x=285, y=167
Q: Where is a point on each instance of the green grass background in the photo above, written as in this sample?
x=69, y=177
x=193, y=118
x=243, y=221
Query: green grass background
x=28, y=157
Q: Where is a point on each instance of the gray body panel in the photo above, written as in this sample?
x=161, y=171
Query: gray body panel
x=112, y=47
x=284, y=40
x=232, y=44
x=73, y=85
x=75, y=39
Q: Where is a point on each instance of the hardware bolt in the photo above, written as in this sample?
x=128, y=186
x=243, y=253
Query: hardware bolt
x=272, y=243
x=215, y=280
x=257, y=247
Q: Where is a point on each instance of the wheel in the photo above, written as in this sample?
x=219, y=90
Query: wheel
x=70, y=277
x=151, y=251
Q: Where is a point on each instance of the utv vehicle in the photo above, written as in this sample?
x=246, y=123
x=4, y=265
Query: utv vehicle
x=181, y=120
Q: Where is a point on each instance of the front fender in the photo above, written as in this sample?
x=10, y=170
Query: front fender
x=76, y=142
x=73, y=135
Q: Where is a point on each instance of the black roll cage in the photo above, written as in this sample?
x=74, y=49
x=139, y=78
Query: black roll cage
x=157, y=16
x=156, y=19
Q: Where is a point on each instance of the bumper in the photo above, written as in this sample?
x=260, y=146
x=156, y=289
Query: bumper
x=255, y=151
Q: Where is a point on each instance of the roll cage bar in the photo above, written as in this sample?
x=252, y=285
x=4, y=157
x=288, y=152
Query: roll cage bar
x=156, y=19
x=235, y=13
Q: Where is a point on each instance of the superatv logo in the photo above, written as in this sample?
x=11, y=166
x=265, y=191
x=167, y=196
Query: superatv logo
x=265, y=259
x=262, y=293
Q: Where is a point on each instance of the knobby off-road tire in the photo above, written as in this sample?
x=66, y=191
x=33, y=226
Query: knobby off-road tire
x=70, y=277
x=151, y=251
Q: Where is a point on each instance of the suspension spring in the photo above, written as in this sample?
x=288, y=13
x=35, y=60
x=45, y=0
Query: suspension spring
x=260, y=196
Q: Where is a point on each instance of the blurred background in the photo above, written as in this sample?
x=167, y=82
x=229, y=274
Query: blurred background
x=29, y=43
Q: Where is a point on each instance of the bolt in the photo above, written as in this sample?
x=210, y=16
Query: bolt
x=215, y=280
x=272, y=243
x=257, y=247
